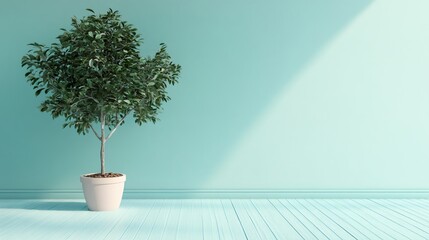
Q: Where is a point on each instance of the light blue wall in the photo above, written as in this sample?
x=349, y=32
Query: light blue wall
x=273, y=95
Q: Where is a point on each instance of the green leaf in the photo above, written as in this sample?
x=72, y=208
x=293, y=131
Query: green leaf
x=39, y=91
x=90, y=10
x=91, y=34
x=127, y=101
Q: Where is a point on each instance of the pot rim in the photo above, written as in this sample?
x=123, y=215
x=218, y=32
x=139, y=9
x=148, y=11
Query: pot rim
x=110, y=180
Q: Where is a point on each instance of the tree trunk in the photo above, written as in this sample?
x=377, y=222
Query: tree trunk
x=103, y=141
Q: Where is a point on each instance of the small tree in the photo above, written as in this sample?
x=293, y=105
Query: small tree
x=95, y=75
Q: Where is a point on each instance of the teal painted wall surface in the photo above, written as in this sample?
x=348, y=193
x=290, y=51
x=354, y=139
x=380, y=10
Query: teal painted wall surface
x=273, y=95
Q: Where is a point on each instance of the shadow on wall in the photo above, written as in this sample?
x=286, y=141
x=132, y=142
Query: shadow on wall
x=236, y=59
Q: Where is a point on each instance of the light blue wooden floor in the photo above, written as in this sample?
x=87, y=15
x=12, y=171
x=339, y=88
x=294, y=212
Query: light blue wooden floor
x=236, y=219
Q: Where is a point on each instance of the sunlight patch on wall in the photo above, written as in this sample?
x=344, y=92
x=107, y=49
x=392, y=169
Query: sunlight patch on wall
x=356, y=118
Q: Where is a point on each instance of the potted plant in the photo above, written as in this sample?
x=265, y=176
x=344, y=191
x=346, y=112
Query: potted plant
x=94, y=77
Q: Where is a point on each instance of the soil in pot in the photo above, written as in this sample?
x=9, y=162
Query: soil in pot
x=106, y=175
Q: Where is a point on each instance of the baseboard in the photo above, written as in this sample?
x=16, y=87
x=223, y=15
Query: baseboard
x=237, y=193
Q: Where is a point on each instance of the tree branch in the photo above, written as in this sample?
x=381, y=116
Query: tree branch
x=96, y=134
x=95, y=100
x=117, y=125
x=87, y=97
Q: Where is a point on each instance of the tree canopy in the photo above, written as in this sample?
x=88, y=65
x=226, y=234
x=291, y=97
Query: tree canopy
x=95, y=73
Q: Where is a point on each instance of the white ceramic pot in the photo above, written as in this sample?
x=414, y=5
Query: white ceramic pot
x=103, y=194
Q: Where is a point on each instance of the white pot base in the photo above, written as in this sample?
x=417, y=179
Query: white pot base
x=103, y=194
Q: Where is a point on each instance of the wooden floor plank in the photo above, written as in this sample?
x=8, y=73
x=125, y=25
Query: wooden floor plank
x=264, y=229
x=359, y=214
x=12, y=209
x=141, y=209
x=21, y=220
x=355, y=220
x=172, y=223
x=160, y=222
x=336, y=216
x=220, y=219
x=143, y=224
x=384, y=218
x=279, y=226
x=424, y=202
x=301, y=224
x=410, y=224
x=99, y=225
x=114, y=227
x=251, y=225
x=38, y=220
x=418, y=206
x=217, y=211
x=322, y=226
x=408, y=211
x=68, y=221
x=190, y=225
x=234, y=222
x=375, y=220
x=210, y=225
x=339, y=230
